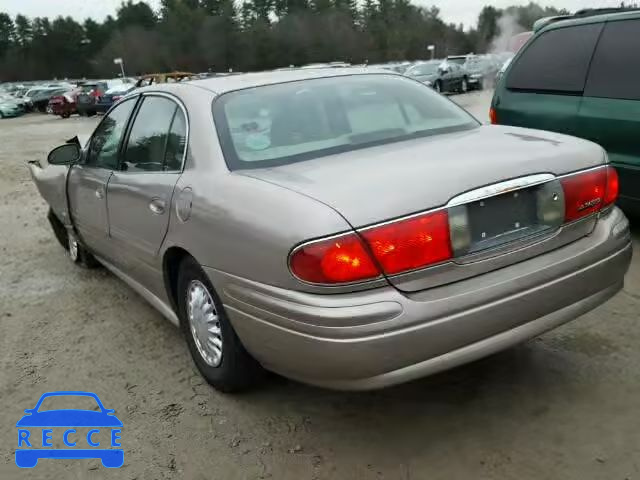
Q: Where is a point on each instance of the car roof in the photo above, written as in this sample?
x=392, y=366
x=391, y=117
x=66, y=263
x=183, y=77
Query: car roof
x=220, y=85
x=591, y=19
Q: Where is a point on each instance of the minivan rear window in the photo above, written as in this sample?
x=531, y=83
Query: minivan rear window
x=294, y=121
x=556, y=61
x=615, y=70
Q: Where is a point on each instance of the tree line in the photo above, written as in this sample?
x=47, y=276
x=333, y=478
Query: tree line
x=219, y=35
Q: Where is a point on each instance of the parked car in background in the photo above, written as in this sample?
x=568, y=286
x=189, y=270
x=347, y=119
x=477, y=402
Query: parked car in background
x=493, y=235
x=64, y=104
x=28, y=97
x=112, y=95
x=39, y=100
x=9, y=108
x=482, y=70
x=441, y=76
x=6, y=97
x=91, y=92
x=577, y=76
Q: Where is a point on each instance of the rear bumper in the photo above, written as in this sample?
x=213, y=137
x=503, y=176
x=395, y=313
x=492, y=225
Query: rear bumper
x=381, y=337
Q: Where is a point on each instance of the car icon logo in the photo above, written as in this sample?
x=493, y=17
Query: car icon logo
x=67, y=433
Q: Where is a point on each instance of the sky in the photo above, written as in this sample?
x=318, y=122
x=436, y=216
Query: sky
x=457, y=11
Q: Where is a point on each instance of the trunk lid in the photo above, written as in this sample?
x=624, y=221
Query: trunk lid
x=378, y=184
x=373, y=185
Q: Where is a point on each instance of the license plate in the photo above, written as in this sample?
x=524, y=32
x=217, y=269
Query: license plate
x=505, y=218
x=501, y=215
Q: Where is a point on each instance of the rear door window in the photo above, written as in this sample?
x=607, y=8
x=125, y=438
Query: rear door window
x=557, y=61
x=149, y=135
x=176, y=143
x=615, y=70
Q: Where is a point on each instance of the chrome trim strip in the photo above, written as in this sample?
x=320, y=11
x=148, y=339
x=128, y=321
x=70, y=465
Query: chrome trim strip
x=500, y=188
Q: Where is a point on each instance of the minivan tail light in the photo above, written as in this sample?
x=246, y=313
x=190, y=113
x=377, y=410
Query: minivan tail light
x=411, y=243
x=340, y=259
x=588, y=192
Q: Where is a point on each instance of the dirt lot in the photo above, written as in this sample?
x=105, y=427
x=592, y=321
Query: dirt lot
x=564, y=406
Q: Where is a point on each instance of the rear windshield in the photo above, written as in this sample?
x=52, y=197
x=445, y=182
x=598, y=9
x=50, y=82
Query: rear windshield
x=295, y=121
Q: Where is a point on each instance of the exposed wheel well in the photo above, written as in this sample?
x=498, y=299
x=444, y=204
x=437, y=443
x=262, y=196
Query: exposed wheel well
x=171, y=265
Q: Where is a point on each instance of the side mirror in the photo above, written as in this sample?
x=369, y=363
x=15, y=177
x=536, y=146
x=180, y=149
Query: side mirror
x=444, y=70
x=64, y=154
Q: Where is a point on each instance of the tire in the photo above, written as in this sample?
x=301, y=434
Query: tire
x=77, y=252
x=234, y=369
x=65, y=115
x=438, y=86
x=58, y=229
x=91, y=113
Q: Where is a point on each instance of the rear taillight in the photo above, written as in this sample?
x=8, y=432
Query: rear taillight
x=493, y=116
x=613, y=186
x=411, y=243
x=397, y=247
x=336, y=260
x=588, y=192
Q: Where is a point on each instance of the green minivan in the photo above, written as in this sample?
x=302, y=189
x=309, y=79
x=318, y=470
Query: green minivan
x=581, y=76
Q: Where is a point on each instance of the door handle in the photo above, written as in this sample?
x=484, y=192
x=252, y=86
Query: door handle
x=100, y=192
x=157, y=206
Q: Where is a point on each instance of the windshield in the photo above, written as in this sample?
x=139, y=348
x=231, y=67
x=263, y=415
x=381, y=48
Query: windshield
x=423, y=69
x=458, y=60
x=289, y=122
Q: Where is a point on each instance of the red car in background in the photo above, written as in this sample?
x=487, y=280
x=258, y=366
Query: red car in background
x=65, y=104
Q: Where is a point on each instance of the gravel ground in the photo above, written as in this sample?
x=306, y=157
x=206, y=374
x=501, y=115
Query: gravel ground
x=564, y=406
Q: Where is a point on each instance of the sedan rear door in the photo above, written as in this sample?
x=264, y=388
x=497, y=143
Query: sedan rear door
x=140, y=191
